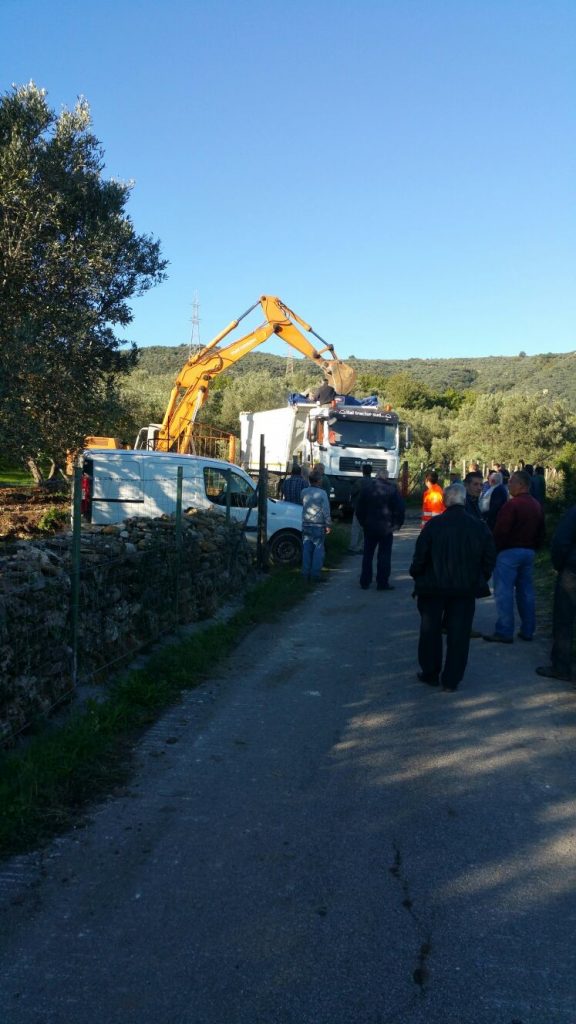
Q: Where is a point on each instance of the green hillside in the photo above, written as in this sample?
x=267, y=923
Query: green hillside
x=549, y=374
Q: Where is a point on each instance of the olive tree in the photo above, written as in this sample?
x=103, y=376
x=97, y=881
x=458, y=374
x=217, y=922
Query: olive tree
x=70, y=261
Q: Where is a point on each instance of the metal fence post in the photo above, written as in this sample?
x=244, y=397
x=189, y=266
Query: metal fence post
x=178, y=537
x=75, y=570
x=262, y=544
x=228, y=476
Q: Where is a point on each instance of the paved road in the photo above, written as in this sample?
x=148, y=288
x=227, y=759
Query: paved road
x=314, y=837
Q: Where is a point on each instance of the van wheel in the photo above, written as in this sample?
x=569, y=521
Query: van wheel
x=286, y=548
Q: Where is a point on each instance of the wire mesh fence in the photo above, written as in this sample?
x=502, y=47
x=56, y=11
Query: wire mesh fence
x=76, y=607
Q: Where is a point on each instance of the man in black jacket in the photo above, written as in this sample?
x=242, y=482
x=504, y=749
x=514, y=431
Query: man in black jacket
x=563, y=554
x=380, y=511
x=453, y=560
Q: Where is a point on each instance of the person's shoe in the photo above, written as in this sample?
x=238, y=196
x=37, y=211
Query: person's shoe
x=497, y=638
x=522, y=636
x=384, y=586
x=551, y=673
x=475, y=634
x=431, y=680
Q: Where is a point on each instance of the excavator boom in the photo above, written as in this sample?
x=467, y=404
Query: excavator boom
x=191, y=387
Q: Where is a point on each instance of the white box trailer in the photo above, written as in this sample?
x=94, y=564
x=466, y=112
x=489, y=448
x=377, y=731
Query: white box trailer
x=342, y=437
x=284, y=433
x=117, y=485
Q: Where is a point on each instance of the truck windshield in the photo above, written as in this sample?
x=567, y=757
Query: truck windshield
x=358, y=434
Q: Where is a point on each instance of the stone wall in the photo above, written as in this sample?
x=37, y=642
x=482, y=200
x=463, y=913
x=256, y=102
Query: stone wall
x=135, y=585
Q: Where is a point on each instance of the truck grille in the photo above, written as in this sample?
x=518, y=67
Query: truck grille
x=348, y=465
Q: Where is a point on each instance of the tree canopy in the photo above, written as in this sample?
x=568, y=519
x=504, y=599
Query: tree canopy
x=70, y=261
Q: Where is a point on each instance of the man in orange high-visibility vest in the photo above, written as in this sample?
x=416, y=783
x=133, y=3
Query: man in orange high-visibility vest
x=433, y=500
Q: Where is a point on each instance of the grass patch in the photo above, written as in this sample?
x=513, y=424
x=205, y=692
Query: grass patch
x=14, y=476
x=45, y=784
x=54, y=519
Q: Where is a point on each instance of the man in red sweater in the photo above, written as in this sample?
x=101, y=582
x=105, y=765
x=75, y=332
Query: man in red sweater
x=518, y=533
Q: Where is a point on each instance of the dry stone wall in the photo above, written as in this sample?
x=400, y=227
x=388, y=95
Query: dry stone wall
x=136, y=583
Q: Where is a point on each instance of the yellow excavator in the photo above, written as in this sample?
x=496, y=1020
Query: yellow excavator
x=190, y=390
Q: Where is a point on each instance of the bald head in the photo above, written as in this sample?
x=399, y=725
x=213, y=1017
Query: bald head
x=519, y=483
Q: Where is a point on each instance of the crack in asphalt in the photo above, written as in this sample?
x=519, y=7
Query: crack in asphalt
x=420, y=974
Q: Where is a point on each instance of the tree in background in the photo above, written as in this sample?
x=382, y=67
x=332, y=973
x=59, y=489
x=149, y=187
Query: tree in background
x=70, y=261
x=371, y=384
x=513, y=426
x=253, y=392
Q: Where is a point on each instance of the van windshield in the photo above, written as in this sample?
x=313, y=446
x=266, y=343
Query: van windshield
x=242, y=492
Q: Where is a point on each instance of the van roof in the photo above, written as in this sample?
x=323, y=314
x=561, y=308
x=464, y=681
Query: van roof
x=142, y=453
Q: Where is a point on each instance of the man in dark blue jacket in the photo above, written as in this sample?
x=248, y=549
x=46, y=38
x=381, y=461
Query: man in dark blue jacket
x=453, y=560
x=380, y=511
x=563, y=553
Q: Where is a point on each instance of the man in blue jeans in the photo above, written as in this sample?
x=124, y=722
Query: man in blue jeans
x=518, y=533
x=316, y=523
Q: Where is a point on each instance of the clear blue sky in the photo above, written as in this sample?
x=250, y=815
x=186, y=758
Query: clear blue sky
x=400, y=172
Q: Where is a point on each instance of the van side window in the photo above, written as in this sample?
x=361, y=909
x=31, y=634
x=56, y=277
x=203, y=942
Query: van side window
x=216, y=482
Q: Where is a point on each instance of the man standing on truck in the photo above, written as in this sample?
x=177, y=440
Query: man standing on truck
x=316, y=523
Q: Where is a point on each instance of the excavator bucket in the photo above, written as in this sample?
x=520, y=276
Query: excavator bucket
x=341, y=376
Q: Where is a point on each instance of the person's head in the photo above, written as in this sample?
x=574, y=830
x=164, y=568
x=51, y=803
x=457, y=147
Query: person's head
x=296, y=470
x=367, y=469
x=318, y=468
x=494, y=478
x=539, y=470
x=473, y=467
x=473, y=483
x=315, y=477
x=382, y=474
x=519, y=483
x=455, y=494
x=431, y=477
x=529, y=468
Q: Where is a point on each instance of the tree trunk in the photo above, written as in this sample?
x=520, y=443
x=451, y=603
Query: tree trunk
x=35, y=471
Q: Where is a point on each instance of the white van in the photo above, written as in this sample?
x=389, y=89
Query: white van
x=118, y=484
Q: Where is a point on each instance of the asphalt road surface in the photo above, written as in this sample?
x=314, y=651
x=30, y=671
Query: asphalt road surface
x=314, y=837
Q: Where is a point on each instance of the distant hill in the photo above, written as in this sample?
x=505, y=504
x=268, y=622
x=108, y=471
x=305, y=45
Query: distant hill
x=549, y=375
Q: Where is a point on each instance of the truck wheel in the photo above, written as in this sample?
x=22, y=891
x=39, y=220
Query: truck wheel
x=286, y=548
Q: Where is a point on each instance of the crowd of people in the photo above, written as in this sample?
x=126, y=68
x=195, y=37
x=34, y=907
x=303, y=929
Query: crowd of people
x=472, y=531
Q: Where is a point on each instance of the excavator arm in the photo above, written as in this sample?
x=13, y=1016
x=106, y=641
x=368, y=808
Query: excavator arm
x=191, y=387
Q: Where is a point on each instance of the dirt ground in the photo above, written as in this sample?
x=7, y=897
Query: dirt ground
x=27, y=512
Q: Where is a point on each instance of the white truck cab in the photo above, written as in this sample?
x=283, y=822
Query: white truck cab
x=119, y=484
